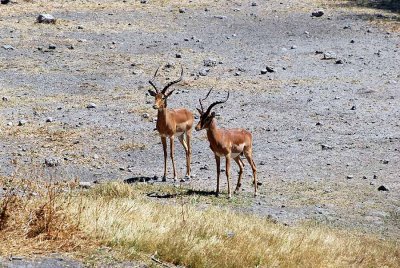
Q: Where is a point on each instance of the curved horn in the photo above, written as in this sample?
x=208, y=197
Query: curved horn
x=172, y=82
x=200, y=100
x=215, y=103
x=152, y=80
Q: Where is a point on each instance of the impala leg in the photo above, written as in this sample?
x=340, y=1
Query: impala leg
x=184, y=144
x=189, y=159
x=218, y=160
x=171, y=140
x=249, y=157
x=239, y=182
x=164, y=143
x=228, y=171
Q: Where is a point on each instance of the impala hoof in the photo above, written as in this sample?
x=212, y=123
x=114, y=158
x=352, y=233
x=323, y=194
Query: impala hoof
x=175, y=178
x=187, y=177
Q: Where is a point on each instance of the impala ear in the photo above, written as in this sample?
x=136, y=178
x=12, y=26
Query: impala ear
x=152, y=93
x=200, y=112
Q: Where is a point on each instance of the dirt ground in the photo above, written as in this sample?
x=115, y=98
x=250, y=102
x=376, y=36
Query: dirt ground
x=326, y=131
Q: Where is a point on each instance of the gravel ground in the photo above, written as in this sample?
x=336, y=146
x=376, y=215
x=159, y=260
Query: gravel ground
x=326, y=131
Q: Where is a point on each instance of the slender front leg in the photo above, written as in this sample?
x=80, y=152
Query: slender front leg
x=239, y=182
x=164, y=143
x=189, y=160
x=218, y=160
x=171, y=140
x=183, y=142
x=228, y=171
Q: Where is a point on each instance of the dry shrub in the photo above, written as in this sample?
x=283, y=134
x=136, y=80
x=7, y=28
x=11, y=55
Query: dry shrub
x=34, y=217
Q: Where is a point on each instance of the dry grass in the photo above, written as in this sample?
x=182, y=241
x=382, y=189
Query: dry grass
x=61, y=218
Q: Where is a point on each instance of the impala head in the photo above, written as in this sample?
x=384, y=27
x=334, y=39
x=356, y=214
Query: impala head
x=160, y=97
x=207, y=116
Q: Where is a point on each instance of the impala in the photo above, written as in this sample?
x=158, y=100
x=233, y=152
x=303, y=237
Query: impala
x=171, y=123
x=231, y=143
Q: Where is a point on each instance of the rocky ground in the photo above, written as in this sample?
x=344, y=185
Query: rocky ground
x=325, y=123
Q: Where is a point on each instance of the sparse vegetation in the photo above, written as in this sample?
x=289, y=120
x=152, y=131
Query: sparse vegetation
x=121, y=216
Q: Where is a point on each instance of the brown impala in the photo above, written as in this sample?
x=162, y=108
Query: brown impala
x=230, y=143
x=171, y=123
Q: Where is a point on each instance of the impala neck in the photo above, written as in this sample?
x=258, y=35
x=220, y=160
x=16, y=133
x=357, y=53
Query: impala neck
x=212, y=130
x=162, y=113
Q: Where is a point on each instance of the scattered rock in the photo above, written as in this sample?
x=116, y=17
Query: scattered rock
x=375, y=177
x=49, y=119
x=339, y=62
x=293, y=47
x=52, y=162
x=91, y=106
x=52, y=46
x=4, y=2
x=353, y=108
x=46, y=18
x=144, y=1
x=264, y=71
x=8, y=47
x=237, y=73
x=349, y=177
x=317, y=13
x=220, y=17
x=178, y=55
x=364, y=177
x=145, y=115
x=254, y=4
x=182, y=10
x=382, y=188
x=4, y=98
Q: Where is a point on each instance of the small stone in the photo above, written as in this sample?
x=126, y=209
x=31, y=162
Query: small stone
x=329, y=55
x=270, y=69
x=178, y=55
x=4, y=2
x=293, y=47
x=353, y=108
x=9, y=124
x=91, y=106
x=144, y=1
x=204, y=72
x=383, y=188
x=52, y=162
x=145, y=115
x=46, y=18
x=262, y=163
x=254, y=4
x=385, y=162
x=220, y=17
x=80, y=27
x=182, y=10
x=317, y=13
x=352, y=41
x=85, y=184
x=375, y=177
x=4, y=98
x=349, y=177
x=49, y=119
x=364, y=177
x=22, y=122
x=326, y=147
x=210, y=62
x=264, y=71
x=52, y=46
x=318, y=124
x=339, y=62
x=8, y=47
x=237, y=73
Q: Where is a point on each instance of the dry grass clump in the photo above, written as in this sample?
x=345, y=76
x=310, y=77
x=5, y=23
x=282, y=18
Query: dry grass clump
x=123, y=217
x=34, y=218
